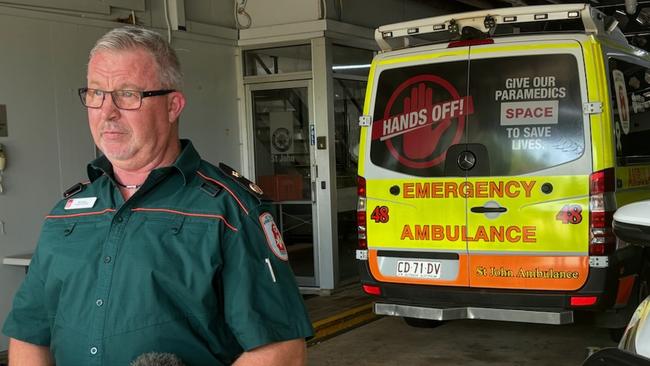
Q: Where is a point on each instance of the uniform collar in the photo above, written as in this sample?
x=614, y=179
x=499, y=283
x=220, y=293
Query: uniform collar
x=188, y=161
x=187, y=164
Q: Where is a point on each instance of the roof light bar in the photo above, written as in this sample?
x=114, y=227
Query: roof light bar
x=487, y=20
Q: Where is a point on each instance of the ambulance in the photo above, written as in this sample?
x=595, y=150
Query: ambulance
x=495, y=147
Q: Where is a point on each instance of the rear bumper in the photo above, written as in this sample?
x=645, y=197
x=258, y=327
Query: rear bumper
x=512, y=315
x=602, y=283
x=521, y=299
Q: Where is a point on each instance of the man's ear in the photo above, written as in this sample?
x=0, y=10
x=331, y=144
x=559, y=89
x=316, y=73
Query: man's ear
x=175, y=105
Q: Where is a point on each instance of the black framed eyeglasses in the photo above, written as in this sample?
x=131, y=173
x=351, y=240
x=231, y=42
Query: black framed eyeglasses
x=123, y=99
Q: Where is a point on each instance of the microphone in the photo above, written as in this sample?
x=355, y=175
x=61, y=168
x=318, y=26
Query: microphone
x=157, y=359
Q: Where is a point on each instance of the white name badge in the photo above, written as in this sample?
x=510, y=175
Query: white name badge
x=77, y=203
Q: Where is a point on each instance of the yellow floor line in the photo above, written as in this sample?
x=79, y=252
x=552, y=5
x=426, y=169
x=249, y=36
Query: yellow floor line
x=341, y=322
x=344, y=314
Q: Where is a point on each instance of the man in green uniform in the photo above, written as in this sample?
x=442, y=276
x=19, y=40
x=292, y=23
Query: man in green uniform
x=160, y=251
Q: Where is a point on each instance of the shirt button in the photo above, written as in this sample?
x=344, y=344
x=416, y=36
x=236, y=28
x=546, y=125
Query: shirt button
x=118, y=219
x=99, y=302
x=107, y=259
x=93, y=350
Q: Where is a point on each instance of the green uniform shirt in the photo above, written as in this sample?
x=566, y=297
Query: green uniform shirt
x=192, y=265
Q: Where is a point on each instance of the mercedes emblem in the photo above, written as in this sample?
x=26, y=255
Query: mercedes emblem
x=466, y=160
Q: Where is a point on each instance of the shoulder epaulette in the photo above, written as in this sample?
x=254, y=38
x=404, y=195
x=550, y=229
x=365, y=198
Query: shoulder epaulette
x=241, y=180
x=74, y=190
x=210, y=188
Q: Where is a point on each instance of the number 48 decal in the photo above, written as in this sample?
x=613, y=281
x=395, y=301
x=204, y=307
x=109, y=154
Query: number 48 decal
x=380, y=214
x=570, y=214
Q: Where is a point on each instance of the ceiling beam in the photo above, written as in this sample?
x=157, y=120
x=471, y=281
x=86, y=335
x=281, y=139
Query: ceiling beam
x=516, y=2
x=479, y=4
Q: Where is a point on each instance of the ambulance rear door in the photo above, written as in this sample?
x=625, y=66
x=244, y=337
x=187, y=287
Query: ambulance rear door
x=527, y=160
x=420, y=108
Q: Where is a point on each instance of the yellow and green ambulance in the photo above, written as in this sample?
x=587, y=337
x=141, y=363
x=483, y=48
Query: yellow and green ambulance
x=495, y=148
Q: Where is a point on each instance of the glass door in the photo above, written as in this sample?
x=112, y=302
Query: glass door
x=348, y=106
x=283, y=141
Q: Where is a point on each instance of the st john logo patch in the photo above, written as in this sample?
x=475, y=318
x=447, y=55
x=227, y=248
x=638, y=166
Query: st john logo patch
x=273, y=236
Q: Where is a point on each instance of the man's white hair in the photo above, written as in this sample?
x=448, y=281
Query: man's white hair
x=132, y=38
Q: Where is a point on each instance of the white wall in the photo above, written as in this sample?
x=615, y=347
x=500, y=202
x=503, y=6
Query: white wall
x=265, y=13
x=380, y=12
x=48, y=141
x=366, y=13
x=210, y=118
x=211, y=12
x=42, y=62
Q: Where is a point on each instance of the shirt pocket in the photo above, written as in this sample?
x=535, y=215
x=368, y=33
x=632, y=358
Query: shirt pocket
x=75, y=240
x=182, y=247
x=166, y=265
x=70, y=255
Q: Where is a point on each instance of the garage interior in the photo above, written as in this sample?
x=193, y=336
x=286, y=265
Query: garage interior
x=275, y=94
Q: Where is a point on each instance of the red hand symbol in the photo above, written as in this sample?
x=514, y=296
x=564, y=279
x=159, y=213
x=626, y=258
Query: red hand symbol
x=421, y=143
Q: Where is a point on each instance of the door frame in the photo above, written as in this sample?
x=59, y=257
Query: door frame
x=302, y=281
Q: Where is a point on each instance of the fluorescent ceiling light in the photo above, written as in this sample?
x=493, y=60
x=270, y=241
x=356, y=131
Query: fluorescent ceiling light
x=350, y=67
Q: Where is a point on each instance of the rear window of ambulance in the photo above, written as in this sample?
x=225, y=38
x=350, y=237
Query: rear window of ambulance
x=526, y=111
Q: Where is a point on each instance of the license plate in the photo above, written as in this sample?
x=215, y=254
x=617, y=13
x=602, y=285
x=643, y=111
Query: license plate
x=418, y=269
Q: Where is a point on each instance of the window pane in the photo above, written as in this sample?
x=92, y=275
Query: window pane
x=525, y=111
x=351, y=61
x=348, y=106
x=279, y=60
x=282, y=167
x=630, y=91
x=403, y=137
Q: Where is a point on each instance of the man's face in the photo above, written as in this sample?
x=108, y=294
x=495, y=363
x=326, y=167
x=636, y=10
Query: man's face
x=132, y=139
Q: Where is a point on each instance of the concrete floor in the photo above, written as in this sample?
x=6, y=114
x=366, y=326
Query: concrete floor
x=344, y=298
x=389, y=341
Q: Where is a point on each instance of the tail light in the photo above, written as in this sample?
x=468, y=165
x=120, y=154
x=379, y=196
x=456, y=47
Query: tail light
x=602, y=204
x=372, y=290
x=361, y=213
x=577, y=301
x=470, y=42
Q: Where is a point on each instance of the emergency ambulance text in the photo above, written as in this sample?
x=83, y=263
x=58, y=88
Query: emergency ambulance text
x=480, y=189
x=512, y=234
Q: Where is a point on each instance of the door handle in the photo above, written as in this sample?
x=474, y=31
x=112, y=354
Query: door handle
x=481, y=209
